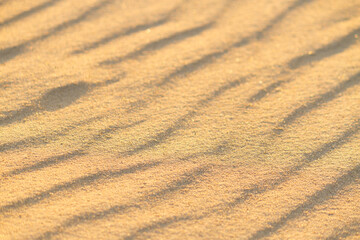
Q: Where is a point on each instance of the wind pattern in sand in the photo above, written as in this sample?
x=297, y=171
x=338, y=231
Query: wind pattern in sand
x=204, y=119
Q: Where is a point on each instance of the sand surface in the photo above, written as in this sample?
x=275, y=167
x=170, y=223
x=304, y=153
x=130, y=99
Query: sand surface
x=204, y=119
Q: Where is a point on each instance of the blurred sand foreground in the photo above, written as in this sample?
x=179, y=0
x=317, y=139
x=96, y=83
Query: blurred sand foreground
x=204, y=119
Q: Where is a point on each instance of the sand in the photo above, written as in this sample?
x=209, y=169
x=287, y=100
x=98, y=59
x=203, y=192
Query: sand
x=206, y=119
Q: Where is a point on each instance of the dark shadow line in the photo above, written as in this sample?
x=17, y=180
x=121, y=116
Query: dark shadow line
x=45, y=139
x=177, y=185
x=6, y=54
x=346, y=231
x=180, y=122
x=103, y=134
x=127, y=32
x=113, y=128
x=67, y=156
x=161, y=43
x=86, y=217
x=3, y=2
x=344, y=138
x=218, y=150
x=29, y=12
x=331, y=49
x=46, y=163
x=18, y=115
x=265, y=91
x=5, y=84
x=70, y=23
x=261, y=34
x=158, y=225
x=189, y=68
x=76, y=183
x=320, y=100
x=321, y=196
x=9, y=53
x=119, y=34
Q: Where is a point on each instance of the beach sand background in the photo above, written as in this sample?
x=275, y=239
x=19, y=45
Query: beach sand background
x=204, y=119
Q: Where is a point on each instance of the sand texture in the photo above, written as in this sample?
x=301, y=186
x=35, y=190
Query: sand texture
x=179, y=119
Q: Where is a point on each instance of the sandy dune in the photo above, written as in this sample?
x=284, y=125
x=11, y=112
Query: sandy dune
x=206, y=119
